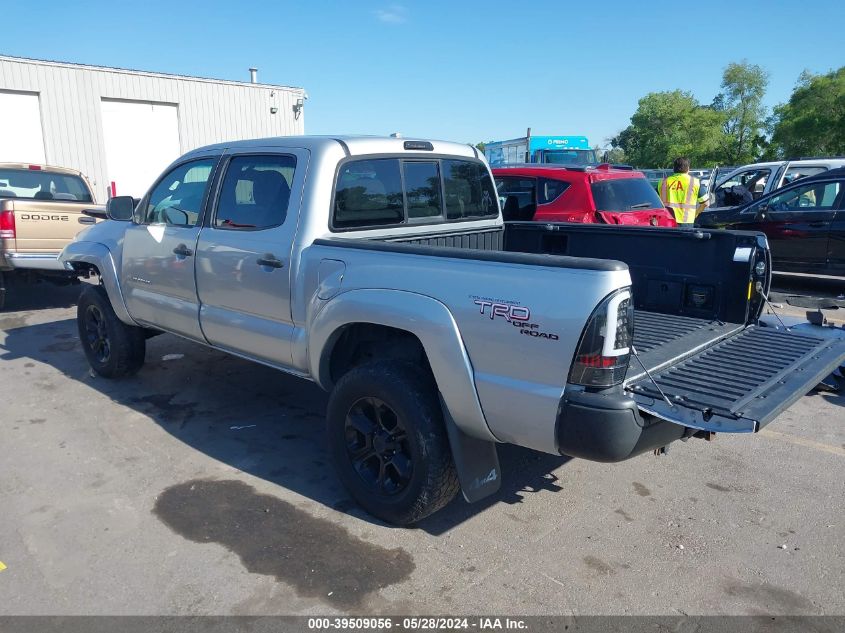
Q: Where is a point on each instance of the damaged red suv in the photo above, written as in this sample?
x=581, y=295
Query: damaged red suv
x=605, y=194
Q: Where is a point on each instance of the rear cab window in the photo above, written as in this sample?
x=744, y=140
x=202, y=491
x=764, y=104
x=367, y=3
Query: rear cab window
x=371, y=192
x=39, y=184
x=624, y=194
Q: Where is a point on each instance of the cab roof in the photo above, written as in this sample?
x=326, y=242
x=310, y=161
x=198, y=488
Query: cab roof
x=353, y=145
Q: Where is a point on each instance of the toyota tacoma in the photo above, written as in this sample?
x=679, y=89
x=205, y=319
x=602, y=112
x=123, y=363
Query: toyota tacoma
x=381, y=269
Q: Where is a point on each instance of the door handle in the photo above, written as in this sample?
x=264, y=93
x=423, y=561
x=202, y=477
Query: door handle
x=270, y=260
x=817, y=225
x=86, y=220
x=183, y=251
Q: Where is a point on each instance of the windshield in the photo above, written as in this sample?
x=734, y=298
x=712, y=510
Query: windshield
x=570, y=157
x=625, y=194
x=33, y=184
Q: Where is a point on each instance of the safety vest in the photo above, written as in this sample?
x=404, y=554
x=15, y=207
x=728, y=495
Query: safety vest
x=680, y=192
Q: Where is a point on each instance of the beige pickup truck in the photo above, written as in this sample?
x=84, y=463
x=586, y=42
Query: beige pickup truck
x=42, y=208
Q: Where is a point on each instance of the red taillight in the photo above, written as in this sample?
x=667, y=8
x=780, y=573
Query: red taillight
x=35, y=167
x=593, y=360
x=7, y=225
x=605, y=346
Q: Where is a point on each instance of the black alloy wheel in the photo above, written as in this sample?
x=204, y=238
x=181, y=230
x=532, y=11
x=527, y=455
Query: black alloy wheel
x=377, y=446
x=96, y=334
x=113, y=348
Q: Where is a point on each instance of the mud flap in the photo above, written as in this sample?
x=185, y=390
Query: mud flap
x=476, y=461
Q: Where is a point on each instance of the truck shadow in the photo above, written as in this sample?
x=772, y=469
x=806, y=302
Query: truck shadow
x=253, y=418
x=38, y=296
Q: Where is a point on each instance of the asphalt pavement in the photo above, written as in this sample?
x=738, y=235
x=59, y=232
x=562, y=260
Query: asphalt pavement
x=202, y=486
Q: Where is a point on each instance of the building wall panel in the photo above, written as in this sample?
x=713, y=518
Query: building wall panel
x=209, y=111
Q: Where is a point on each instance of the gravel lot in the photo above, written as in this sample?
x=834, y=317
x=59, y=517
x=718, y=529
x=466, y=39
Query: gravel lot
x=201, y=486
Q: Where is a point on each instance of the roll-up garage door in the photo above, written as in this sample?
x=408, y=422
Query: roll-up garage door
x=21, y=138
x=141, y=139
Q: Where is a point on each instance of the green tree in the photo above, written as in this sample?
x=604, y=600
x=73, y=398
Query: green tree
x=741, y=101
x=616, y=155
x=480, y=146
x=671, y=124
x=812, y=123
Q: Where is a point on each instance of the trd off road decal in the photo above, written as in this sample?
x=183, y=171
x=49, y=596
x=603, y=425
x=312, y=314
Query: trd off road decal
x=517, y=315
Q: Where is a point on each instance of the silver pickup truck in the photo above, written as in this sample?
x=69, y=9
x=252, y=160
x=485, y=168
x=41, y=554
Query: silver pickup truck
x=380, y=268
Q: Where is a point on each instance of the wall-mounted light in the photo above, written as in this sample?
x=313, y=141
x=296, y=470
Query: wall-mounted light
x=297, y=107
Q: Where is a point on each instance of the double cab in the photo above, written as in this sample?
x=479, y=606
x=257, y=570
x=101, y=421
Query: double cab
x=381, y=269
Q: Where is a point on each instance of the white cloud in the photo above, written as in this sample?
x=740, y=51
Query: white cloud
x=394, y=14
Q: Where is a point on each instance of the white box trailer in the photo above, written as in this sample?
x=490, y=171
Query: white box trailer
x=122, y=127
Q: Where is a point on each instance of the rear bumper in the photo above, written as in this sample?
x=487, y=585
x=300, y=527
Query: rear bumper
x=608, y=427
x=33, y=261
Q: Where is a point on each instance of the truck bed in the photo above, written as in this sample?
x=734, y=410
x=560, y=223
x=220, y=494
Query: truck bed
x=695, y=317
x=695, y=323
x=662, y=339
x=740, y=383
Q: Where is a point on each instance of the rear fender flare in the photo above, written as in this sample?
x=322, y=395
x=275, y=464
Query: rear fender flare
x=99, y=256
x=426, y=318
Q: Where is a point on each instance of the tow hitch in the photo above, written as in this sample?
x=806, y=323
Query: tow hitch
x=702, y=435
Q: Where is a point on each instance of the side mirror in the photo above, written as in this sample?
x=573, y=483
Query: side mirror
x=120, y=208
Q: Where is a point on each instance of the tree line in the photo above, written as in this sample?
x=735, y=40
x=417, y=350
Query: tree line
x=735, y=128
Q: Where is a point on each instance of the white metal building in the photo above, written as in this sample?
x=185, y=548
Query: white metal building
x=122, y=127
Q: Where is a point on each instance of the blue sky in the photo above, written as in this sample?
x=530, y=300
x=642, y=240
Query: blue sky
x=464, y=71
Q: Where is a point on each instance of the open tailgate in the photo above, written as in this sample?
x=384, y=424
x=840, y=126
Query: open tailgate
x=741, y=383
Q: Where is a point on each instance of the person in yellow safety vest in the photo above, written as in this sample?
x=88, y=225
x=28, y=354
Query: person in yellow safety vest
x=680, y=192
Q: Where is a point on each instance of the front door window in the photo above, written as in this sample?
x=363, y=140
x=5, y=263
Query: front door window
x=178, y=197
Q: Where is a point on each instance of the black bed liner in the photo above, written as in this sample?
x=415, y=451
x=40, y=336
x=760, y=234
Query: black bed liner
x=740, y=383
x=662, y=339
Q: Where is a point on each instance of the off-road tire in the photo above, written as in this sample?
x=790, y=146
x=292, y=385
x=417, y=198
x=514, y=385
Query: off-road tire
x=126, y=343
x=412, y=394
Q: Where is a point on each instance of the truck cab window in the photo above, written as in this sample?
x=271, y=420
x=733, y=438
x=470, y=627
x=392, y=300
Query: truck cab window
x=422, y=189
x=469, y=190
x=369, y=193
x=42, y=185
x=255, y=193
x=177, y=198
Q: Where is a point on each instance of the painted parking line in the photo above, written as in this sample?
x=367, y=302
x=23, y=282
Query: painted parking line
x=2, y=566
x=803, y=441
